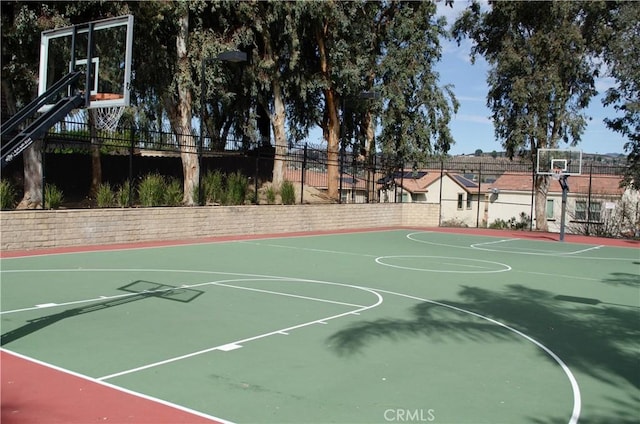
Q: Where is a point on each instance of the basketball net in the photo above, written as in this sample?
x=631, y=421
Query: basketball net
x=106, y=118
x=557, y=174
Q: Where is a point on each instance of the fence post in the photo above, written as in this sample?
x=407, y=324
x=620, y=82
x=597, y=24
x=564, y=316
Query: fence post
x=588, y=214
x=255, y=195
x=479, y=194
x=440, y=199
x=533, y=190
x=304, y=171
x=44, y=169
x=131, y=146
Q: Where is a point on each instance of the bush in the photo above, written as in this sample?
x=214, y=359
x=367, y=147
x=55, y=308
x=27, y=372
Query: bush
x=7, y=195
x=237, y=188
x=124, y=194
x=454, y=222
x=173, y=193
x=288, y=193
x=105, y=197
x=271, y=195
x=151, y=190
x=213, y=187
x=512, y=224
x=53, y=196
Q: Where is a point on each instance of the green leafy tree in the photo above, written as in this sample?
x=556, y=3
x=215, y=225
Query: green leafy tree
x=416, y=111
x=622, y=55
x=384, y=47
x=22, y=23
x=541, y=77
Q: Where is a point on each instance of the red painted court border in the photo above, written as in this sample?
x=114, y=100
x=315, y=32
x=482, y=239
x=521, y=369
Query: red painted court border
x=33, y=392
x=543, y=236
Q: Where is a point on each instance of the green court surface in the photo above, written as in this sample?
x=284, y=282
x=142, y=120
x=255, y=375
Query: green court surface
x=370, y=327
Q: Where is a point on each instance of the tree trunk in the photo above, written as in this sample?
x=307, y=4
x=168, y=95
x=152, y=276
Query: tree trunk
x=181, y=121
x=32, y=158
x=333, y=147
x=332, y=130
x=542, y=188
x=279, y=132
x=32, y=177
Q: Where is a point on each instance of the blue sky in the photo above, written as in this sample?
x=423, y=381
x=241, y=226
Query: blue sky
x=472, y=127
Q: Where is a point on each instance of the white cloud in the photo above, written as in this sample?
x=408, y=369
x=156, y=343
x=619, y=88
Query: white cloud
x=477, y=119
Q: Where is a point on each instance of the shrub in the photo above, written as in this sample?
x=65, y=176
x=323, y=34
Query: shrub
x=151, y=190
x=512, y=224
x=105, y=197
x=124, y=194
x=7, y=195
x=271, y=195
x=173, y=193
x=288, y=193
x=213, y=187
x=454, y=222
x=53, y=196
x=237, y=188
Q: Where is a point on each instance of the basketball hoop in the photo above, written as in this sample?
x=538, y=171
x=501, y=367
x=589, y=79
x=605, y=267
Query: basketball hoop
x=557, y=173
x=107, y=118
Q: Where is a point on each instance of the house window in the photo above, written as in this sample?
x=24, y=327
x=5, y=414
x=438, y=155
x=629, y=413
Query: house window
x=550, y=208
x=469, y=200
x=460, y=195
x=594, y=211
x=581, y=210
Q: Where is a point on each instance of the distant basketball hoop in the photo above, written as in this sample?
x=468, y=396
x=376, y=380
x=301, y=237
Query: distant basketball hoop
x=557, y=173
x=107, y=118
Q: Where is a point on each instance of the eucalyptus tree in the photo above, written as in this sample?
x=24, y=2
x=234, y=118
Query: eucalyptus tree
x=388, y=48
x=541, y=75
x=622, y=55
x=22, y=23
x=417, y=110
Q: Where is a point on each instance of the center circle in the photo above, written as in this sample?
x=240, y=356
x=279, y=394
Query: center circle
x=442, y=264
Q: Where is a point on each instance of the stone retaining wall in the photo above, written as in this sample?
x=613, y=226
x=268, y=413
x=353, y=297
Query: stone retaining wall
x=25, y=230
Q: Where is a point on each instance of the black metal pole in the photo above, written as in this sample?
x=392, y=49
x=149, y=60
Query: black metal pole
x=565, y=190
x=89, y=75
x=304, y=171
x=203, y=88
x=589, y=200
x=131, y=147
x=479, y=194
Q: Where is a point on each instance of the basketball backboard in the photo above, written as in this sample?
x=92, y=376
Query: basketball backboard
x=559, y=161
x=63, y=50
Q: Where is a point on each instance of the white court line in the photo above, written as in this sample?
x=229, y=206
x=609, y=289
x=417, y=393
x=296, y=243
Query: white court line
x=411, y=236
x=118, y=388
x=309, y=249
x=584, y=250
x=574, y=385
x=577, y=398
x=248, y=339
x=493, y=242
x=315, y=299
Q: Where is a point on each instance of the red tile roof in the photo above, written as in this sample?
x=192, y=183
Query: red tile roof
x=521, y=181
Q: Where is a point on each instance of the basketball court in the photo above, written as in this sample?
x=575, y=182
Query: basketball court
x=376, y=326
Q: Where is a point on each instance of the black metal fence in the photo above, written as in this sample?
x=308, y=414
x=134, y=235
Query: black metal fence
x=130, y=154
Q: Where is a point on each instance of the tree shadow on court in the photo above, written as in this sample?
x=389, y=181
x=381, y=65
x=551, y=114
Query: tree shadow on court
x=623, y=279
x=140, y=290
x=598, y=339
